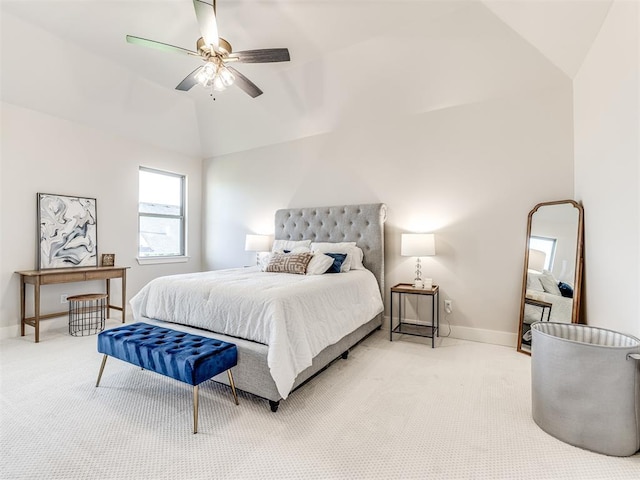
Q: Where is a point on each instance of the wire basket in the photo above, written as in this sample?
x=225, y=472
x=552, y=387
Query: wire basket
x=87, y=314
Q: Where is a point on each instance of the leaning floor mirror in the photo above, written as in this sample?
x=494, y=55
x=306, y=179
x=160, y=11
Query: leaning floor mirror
x=552, y=274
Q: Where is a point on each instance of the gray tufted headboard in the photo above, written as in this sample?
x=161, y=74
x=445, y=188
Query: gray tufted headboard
x=363, y=224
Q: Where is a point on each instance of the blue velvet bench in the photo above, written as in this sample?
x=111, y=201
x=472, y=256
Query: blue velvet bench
x=189, y=358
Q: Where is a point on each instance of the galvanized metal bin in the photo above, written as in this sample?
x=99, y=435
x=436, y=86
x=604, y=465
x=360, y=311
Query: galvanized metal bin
x=585, y=386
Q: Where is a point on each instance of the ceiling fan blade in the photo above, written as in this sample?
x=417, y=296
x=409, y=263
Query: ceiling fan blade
x=165, y=47
x=266, y=55
x=189, y=81
x=245, y=84
x=206, y=15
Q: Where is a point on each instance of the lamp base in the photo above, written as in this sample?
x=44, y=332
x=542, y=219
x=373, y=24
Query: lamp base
x=426, y=283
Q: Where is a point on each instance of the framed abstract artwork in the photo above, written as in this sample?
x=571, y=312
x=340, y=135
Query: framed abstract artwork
x=68, y=232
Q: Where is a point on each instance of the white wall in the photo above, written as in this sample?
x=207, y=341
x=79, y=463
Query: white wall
x=41, y=153
x=470, y=174
x=48, y=74
x=607, y=157
x=465, y=130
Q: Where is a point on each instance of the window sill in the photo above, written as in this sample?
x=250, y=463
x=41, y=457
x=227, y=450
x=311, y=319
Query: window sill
x=160, y=260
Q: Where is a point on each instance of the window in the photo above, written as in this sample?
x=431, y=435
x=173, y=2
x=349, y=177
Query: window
x=161, y=218
x=546, y=245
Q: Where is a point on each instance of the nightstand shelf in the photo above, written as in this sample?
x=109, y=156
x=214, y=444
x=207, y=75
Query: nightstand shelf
x=542, y=304
x=412, y=328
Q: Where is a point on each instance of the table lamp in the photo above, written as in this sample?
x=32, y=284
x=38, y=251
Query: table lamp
x=418, y=245
x=537, y=259
x=258, y=244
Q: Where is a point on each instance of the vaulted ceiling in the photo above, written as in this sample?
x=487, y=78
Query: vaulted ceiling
x=352, y=61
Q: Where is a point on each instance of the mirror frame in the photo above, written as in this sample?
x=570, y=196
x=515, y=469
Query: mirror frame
x=577, y=287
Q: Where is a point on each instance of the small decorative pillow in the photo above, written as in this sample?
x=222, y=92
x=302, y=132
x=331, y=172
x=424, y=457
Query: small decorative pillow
x=565, y=289
x=291, y=245
x=338, y=260
x=289, y=263
x=319, y=264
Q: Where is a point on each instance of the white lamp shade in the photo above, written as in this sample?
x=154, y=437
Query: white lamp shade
x=537, y=259
x=418, y=245
x=257, y=243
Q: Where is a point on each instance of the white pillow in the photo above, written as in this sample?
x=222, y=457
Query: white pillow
x=299, y=250
x=338, y=247
x=319, y=264
x=264, y=261
x=533, y=281
x=550, y=284
x=280, y=246
x=356, y=260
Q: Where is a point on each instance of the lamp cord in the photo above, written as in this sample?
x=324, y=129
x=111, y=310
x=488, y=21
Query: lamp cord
x=446, y=319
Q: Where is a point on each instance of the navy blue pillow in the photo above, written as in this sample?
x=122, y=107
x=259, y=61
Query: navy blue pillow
x=338, y=259
x=565, y=290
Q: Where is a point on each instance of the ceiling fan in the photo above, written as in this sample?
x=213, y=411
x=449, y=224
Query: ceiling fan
x=216, y=52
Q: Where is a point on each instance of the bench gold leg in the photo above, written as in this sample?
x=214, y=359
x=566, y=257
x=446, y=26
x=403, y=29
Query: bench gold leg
x=195, y=409
x=104, y=362
x=233, y=386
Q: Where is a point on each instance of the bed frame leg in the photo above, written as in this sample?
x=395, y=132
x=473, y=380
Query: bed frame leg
x=345, y=355
x=274, y=405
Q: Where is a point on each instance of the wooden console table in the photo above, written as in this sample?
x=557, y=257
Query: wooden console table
x=66, y=275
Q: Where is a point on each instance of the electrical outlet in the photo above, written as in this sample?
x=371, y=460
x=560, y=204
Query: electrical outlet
x=448, y=306
x=63, y=298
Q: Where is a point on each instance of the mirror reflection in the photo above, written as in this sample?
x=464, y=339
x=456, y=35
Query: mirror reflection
x=553, y=267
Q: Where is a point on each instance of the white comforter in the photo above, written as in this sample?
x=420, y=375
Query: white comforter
x=297, y=316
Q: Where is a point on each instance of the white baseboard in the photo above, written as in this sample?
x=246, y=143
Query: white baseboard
x=56, y=323
x=481, y=335
x=494, y=337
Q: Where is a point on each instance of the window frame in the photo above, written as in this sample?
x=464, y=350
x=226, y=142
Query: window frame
x=182, y=216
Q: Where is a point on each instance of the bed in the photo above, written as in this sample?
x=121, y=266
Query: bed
x=299, y=324
x=543, y=286
x=545, y=301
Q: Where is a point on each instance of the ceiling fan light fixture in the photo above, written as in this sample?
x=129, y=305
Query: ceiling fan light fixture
x=218, y=84
x=226, y=76
x=215, y=52
x=206, y=74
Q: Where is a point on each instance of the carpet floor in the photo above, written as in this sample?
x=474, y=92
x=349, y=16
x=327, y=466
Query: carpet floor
x=392, y=410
